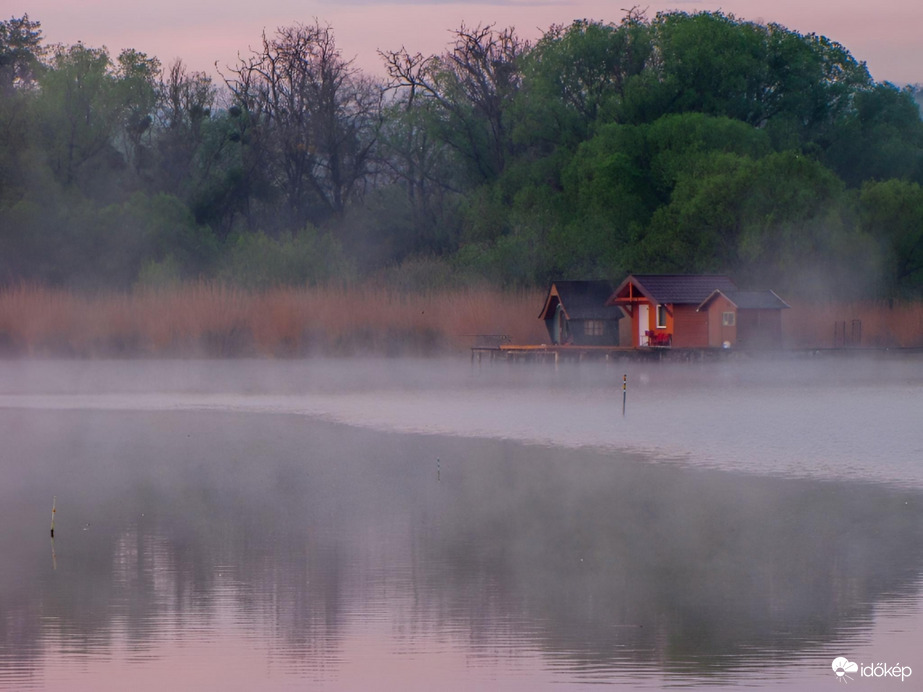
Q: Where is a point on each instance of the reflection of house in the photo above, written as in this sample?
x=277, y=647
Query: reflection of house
x=751, y=319
x=575, y=312
x=664, y=307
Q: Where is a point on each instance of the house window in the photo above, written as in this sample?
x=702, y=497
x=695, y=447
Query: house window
x=594, y=327
x=728, y=319
x=661, y=317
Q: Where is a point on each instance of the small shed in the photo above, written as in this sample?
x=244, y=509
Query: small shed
x=745, y=319
x=663, y=307
x=575, y=312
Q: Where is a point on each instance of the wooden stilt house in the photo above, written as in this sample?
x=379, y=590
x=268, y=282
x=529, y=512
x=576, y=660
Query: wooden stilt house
x=663, y=308
x=744, y=319
x=575, y=312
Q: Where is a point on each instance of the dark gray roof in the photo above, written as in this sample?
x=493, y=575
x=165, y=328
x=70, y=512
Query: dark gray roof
x=751, y=300
x=682, y=288
x=584, y=300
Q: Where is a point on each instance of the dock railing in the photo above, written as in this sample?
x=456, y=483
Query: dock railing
x=490, y=340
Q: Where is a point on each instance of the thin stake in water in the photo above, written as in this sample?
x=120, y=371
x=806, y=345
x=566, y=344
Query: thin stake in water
x=54, y=503
x=624, y=392
x=438, y=470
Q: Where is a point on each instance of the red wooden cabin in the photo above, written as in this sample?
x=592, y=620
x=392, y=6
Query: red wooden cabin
x=748, y=319
x=663, y=308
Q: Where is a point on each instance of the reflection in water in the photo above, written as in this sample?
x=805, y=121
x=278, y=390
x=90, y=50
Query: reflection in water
x=320, y=552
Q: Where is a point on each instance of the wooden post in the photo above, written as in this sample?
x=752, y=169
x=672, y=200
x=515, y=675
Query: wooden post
x=624, y=392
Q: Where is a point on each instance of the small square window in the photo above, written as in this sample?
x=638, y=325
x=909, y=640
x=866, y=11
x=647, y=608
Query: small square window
x=594, y=327
x=661, y=317
x=728, y=319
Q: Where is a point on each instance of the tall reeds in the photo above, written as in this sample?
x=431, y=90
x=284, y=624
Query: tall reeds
x=859, y=324
x=211, y=319
x=219, y=320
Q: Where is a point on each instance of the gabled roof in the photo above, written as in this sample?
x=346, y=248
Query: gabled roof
x=582, y=300
x=749, y=300
x=682, y=289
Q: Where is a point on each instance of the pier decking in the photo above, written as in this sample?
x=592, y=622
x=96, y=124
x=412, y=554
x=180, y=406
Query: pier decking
x=498, y=347
x=558, y=353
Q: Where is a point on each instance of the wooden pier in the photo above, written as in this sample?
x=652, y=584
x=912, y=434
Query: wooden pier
x=566, y=353
x=497, y=347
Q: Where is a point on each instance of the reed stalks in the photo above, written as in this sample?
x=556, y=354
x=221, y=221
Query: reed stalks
x=213, y=319
x=859, y=324
x=205, y=319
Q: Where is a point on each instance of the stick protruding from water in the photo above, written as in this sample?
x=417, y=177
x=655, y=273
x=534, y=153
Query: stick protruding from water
x=624, y=392
x=54, y=504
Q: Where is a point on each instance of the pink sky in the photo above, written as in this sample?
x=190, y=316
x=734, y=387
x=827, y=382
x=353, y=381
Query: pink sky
x=887, y=35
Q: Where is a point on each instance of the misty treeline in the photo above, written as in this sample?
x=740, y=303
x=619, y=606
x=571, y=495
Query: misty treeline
x=677, y=143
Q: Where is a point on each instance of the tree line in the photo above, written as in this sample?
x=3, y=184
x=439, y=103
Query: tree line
x=674, y=143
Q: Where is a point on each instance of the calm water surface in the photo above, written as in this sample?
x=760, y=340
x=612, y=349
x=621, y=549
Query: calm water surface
x=408, y=525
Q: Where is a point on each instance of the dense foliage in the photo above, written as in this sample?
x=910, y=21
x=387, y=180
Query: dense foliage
x=681, y=143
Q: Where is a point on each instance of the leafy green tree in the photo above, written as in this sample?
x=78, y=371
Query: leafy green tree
x=21, y=53
x=713, y=64
x=28, y=248
x=76, y=110
x=232, y=187
x=136, y=84
x=609, y=197
x=675, y=142
x=892, y=212
x=256, y=260
x=618, y=179
x=781, y=220
x=576, y=74
x=768, y=76
x=92, y=114
x=881, y=137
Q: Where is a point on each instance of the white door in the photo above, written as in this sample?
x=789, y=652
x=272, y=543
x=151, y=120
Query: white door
x=644, y=324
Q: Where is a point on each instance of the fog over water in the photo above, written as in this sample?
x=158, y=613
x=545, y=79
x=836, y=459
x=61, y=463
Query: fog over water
x=846, y=418
x=398, y=524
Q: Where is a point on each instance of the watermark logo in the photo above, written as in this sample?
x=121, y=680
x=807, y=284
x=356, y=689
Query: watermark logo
x=842, y=667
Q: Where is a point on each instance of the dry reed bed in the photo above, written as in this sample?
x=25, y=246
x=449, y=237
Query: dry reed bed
x=859, y=324
x=206, y=319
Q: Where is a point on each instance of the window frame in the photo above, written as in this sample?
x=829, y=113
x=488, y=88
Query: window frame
x=594, y=327
x=660, y=312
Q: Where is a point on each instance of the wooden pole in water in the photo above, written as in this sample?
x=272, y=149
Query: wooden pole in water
x=54, y=503
x=624, y=392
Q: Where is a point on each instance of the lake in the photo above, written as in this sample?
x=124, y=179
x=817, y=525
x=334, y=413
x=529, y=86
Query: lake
x=375, y=524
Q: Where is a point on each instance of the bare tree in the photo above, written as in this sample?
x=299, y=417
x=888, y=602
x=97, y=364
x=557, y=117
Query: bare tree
x=317, y=115
x=414, y=158
x=471, y=87
x=186, y=100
